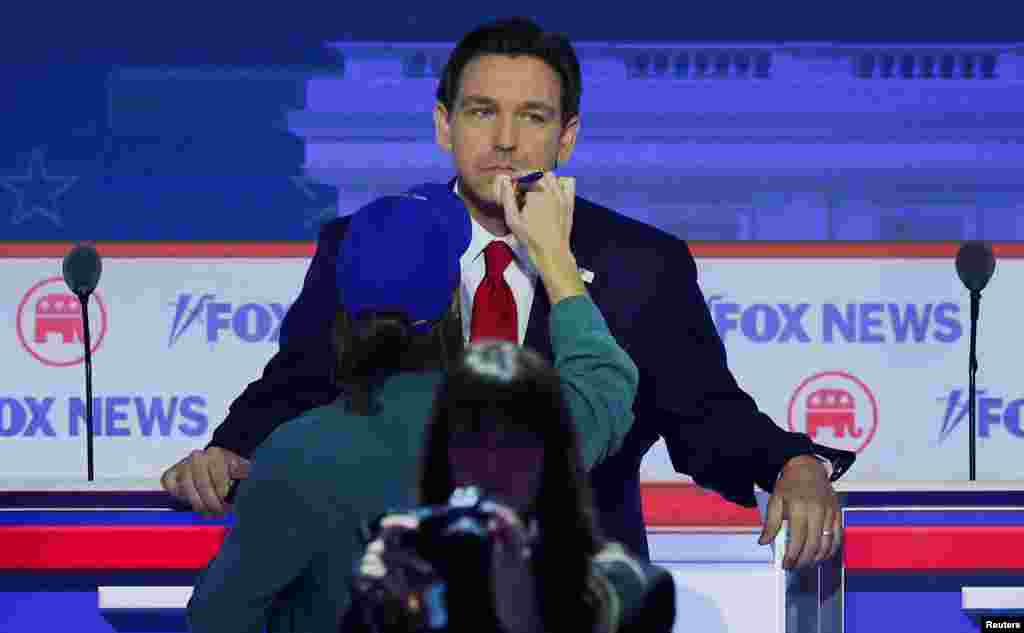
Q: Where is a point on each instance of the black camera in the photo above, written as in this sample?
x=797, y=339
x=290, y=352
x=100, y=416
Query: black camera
x=438, y=575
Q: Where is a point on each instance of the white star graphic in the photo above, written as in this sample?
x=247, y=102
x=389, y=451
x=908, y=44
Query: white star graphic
x=37, y=192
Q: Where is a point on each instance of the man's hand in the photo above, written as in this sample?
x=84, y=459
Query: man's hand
x=804, y=497
x=203, y=479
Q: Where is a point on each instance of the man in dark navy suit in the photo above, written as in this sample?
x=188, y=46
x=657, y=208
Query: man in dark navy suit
x=508, y=104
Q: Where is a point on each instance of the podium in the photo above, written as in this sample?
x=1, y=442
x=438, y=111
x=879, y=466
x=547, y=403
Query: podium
x=917, y=556
x=118, y=556
x=98, y=557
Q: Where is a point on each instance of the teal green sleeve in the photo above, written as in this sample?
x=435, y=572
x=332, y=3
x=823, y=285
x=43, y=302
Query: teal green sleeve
x=270, y=545
x=599, y=379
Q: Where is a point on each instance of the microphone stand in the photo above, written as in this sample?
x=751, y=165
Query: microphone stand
x=971, y=386
x=83, y=299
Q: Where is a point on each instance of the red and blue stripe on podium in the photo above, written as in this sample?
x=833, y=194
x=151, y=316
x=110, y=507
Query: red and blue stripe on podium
x=907, y=558
x=59, y=549
x=911, y=560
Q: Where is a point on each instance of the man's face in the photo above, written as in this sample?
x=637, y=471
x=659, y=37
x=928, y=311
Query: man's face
x=506, y=119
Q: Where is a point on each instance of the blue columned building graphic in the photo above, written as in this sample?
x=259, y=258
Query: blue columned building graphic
x=709, y=141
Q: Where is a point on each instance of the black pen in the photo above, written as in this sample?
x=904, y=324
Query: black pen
x=523, y=182
x=529, y=178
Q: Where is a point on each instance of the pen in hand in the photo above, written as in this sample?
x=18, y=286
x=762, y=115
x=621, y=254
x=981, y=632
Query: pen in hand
x=529, y=178
x=523, y=183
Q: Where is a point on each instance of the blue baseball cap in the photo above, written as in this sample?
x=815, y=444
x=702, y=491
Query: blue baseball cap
x=401, y=254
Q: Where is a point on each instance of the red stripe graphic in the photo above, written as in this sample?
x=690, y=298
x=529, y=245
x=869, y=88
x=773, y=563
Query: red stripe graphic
x=108, y=547
x=666, y=504
x=71, y=547
x=669, y=504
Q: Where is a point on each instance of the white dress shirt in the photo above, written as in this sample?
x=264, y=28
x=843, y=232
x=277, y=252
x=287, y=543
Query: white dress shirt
x=520, y=275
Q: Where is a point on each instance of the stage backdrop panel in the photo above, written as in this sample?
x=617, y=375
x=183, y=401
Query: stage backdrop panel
x=175, y=339
x=863, y=347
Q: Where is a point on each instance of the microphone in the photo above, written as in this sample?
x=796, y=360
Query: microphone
x=82, y=268
x=975, y=264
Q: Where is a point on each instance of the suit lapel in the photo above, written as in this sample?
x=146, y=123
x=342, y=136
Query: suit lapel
x=538, y=329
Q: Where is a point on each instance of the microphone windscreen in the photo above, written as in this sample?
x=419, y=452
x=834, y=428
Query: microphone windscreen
x=82, y=268
x=975, y=264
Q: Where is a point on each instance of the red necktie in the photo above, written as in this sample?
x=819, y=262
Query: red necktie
x=494, y=307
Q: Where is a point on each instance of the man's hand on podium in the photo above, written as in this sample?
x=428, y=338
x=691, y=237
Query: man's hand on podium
x=204, y=478
x=804, y=496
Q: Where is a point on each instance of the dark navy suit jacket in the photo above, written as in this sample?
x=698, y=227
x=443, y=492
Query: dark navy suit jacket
x=645, y=283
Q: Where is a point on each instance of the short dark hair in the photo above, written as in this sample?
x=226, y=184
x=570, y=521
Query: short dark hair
x=514, y=37
x=513, y=387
